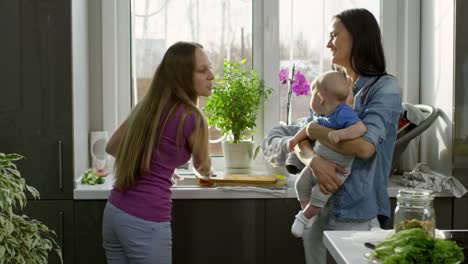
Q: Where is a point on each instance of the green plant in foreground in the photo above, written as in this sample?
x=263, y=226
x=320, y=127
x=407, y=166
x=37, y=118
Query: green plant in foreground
x=236, y=101
x=22, y=240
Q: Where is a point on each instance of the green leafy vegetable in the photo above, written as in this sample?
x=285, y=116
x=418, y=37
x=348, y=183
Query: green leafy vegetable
x=89, y=177
x=446, y=251
x=414, y=246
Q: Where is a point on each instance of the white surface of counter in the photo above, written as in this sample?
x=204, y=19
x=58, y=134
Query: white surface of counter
x=102, y=191
x=347, y=247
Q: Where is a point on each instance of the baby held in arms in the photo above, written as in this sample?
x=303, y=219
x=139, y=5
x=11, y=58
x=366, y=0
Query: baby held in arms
x=328, y=103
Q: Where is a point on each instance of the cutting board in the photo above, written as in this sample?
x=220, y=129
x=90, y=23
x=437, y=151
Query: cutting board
x=245, y=180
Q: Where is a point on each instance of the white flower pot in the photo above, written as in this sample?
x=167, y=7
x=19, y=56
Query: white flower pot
x=238, y=156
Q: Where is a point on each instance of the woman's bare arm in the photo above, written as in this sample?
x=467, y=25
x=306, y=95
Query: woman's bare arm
x=201, y=161
x=112, y=146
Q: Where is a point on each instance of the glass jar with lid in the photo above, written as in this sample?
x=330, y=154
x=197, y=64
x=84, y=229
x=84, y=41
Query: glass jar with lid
x=415, y=209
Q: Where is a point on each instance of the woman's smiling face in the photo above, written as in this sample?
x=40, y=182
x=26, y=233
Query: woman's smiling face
x=340, y=43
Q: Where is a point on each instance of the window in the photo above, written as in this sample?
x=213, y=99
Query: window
x=270, y=34
x=303, y=31
x=224, y=28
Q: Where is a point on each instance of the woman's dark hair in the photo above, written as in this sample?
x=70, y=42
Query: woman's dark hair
x=367, y=55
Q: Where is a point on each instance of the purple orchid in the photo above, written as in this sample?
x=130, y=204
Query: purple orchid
x=283, y=75
x=299, y=84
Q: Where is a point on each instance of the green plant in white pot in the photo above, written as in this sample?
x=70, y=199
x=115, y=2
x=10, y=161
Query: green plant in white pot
x=22, y=240
x=233, y=108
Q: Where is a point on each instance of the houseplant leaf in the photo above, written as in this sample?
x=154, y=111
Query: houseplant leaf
x=237, y=98
x=23, y=240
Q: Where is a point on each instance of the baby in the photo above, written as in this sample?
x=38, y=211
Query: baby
x=328, y=102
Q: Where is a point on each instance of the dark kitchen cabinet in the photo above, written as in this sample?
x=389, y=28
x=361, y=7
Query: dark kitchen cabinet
x=219, y=231
x=36, y=92
x=58, y=216
x=88, y=231
x=207, y=231
x=460, y=213
x=232, y=230
x=281, y=246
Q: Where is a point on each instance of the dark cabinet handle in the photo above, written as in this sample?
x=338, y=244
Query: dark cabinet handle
x=60, y=165
x=61, y=226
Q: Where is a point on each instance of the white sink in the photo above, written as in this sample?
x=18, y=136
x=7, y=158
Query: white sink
x=188, y=181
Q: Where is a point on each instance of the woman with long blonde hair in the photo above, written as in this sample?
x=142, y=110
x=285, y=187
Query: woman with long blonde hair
x=164, y=130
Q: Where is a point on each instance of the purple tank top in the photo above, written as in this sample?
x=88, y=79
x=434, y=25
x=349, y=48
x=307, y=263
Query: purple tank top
x=150, y=197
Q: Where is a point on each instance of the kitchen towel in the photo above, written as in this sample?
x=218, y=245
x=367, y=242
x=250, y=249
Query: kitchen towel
x=423, y=177
x=413, y=114
x=275, y=148
x=280, y=192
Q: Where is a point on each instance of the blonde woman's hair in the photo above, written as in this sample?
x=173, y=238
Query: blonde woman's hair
x=171, y=88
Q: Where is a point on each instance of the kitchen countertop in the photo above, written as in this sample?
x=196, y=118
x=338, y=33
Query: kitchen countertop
x=102, y=191
x=347, y=247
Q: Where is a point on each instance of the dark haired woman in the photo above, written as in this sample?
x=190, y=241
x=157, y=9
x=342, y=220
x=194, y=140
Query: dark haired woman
x=162, y=132
x=362, y=201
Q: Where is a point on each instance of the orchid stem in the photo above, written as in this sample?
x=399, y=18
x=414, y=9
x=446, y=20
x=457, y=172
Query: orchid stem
x=288, y=108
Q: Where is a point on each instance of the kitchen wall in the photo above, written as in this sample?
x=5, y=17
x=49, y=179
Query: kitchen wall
x=87, y=78
x=444, y=83
x=460, y=164
x=80, y=82
x=95, y=64
x=461, y=93
x=437, y=81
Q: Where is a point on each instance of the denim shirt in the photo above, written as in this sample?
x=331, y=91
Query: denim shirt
x=364, y=196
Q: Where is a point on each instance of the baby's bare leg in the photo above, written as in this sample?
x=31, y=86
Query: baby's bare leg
x=310, y=211
x=304, y=204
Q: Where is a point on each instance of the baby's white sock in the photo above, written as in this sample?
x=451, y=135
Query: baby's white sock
x=299, y=224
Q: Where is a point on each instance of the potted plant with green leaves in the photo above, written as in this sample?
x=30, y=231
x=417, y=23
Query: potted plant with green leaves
x=22, y=240
x=233, y=108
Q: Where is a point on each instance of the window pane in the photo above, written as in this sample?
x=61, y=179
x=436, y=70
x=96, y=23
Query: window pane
x=303, y=39
x=223, y=27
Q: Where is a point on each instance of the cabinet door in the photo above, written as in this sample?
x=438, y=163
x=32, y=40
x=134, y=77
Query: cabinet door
x=460, y=213
x=460, y=205
x=35, y=106
x=58, y=216
x=218, y=231
x=88, y=232
x=281, y=245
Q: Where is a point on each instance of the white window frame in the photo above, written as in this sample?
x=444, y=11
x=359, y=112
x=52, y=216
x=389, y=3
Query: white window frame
x=116, y=63
x=399, y=22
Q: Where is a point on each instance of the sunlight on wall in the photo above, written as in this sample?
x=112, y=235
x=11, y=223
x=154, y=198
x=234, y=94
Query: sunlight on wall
x=437, y=38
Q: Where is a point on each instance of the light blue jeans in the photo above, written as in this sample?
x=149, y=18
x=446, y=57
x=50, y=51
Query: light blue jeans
x=315, y=251
x=129, y=239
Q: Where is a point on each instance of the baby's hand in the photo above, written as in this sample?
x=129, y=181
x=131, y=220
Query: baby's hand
x=291, y=144
x=334, y=137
